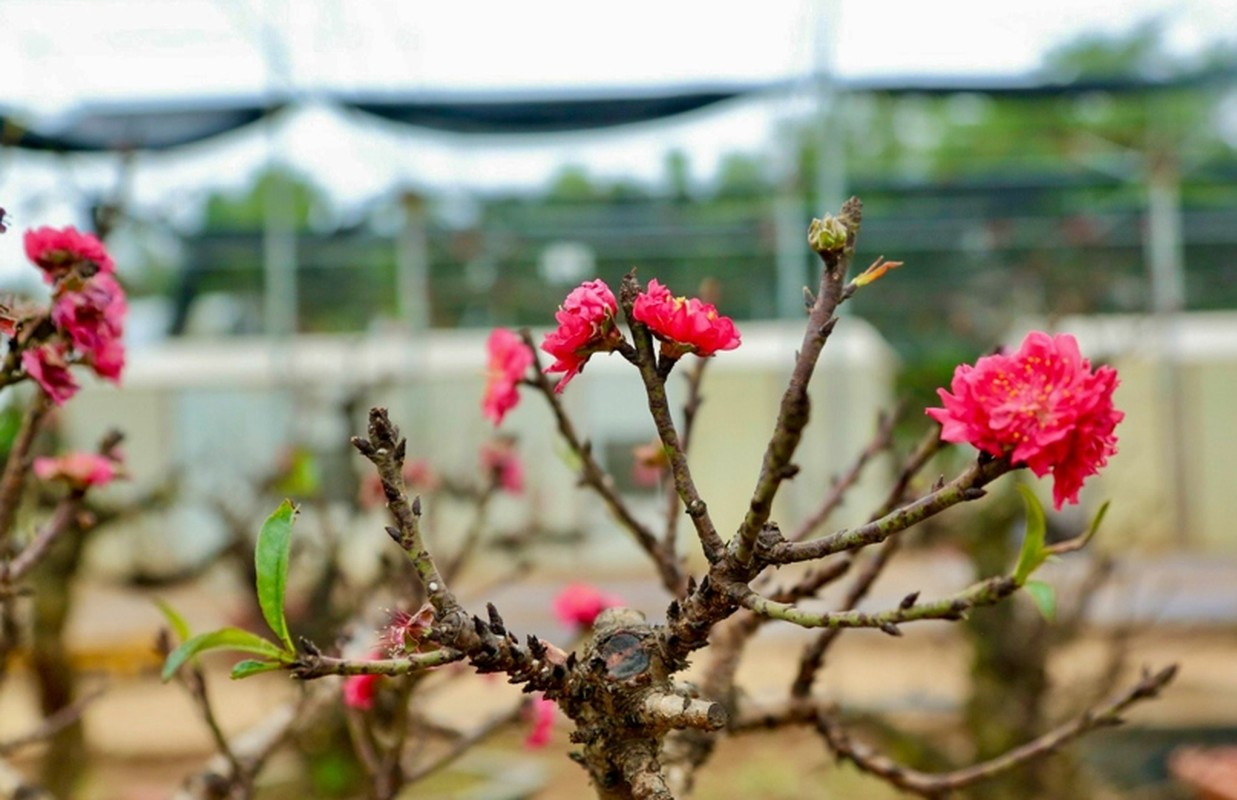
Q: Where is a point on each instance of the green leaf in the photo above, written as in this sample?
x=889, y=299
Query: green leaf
x=271, y=560
x=1045, y=598
x=252, y=666
x=175, y=620
x=223, y=639
x=1033, y=552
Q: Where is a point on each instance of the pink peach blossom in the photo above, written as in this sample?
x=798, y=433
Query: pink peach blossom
x=58, y=250
x=585, y=326
x=684, y=325
x=509, y=360
x=1042, y=406
x=542, y=712
x=578, y=604
x=359, y=691
x=48, y=365
x=77, y=469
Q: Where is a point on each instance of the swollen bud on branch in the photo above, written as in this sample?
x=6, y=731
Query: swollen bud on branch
x=826, y=235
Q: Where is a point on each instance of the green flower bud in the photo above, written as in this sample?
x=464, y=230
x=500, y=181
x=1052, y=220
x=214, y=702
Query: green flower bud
x=826, y=235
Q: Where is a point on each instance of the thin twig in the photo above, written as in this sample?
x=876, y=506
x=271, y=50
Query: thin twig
x=17, y=467
x=793, y=413
x=934, y=785
x=967, y=486
x=53, y=723
x=593, y=476
x=880, y=442
x=691, y=407
x=653, y=374
x=464, y=744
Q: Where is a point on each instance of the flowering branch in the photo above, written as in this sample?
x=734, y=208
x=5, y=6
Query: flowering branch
x=654, y=376
x=836, y=250
x=934, y=785
x=593, y=476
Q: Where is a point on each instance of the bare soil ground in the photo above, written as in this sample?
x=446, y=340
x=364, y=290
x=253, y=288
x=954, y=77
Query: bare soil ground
x=146, y=735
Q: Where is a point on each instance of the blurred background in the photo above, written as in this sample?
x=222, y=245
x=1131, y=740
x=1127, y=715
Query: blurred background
x=317, y=206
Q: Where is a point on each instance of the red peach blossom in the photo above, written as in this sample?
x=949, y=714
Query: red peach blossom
x=509, y=360
x=58, y=250
x=585, y=326
x=1042, y=406
x=578, y=604
x=47, y=364
x=685, y=325
x=77, y=469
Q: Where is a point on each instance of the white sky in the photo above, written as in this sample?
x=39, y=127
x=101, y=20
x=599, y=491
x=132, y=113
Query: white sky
x=57, y=53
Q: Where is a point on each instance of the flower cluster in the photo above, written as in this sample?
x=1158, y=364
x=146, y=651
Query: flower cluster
x=684, y=325
x=585, y=326
x=509, y=359
x=88, y=311
x=1042, y=406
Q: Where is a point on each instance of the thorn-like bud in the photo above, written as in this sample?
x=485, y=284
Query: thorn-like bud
x=571, y=660
x=908, y=601
x=826, y=235
x=691, y=584
x=479, y=626
x=394, y=534
x=939, y=483
x=535, y=646
x=672, y=611
x=416, y=506
x=974, y=493
x=362, y=446
x=401, y=450
x=496, y=620
x=891, y=629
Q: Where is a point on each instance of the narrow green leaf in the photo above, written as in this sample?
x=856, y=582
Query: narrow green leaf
x=1033, y=553
x=1095, y=522
x=252, y=666
x=271, y=560
x=1045, y=598
x=175, y=620
x=222, y=639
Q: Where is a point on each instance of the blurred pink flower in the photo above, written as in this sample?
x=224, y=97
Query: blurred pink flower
x=509, y=360
x=48, y=365
x=542, y=712
x=500, y=460
x=79, y=470
x=585, y=326
x=649, y=464
x=684, y=325
x=58, y=250
x=578, y=604
x=359, y=691
x=1042, y=406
